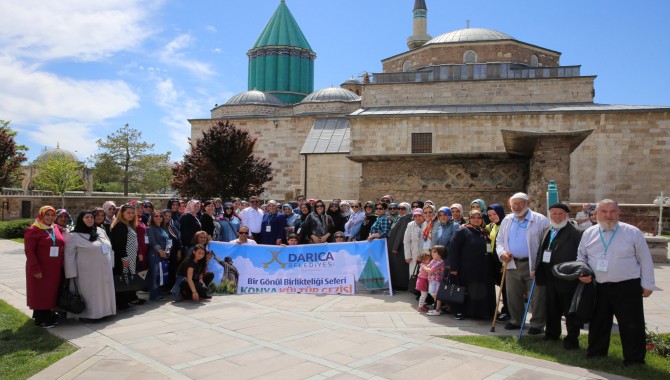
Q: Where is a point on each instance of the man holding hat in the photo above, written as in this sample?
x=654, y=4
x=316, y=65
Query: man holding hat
x=559, y=245
x=517, y=243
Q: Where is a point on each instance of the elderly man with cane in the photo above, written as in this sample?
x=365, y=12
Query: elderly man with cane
x=516, y=245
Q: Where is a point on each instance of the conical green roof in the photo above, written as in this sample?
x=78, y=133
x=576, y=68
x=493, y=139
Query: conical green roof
x=282, y=30
x=371, y=277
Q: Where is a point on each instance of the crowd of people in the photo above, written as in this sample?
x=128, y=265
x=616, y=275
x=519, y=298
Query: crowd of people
x=477, y=247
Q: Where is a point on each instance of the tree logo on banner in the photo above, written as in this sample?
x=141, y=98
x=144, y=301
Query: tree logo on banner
x=275, y=257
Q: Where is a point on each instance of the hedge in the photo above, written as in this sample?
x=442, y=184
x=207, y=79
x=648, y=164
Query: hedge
x=14, y=228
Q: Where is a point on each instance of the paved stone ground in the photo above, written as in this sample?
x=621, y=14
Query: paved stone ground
x=290, y=337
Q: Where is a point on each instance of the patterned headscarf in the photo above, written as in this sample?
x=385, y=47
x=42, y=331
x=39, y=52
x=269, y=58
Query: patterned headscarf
x=482, y=204
x=190, y=206
x=39, y=221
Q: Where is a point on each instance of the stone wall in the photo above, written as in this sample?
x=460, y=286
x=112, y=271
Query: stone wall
x=506, y=91
x=326, y=107
x=444, y=180
x=644, y=217
x=620, y=159
x=332, y=176
x=437, y=54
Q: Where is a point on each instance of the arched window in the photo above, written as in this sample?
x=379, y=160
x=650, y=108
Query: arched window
x=470, y=57
x=534, y=62
x=407, y=65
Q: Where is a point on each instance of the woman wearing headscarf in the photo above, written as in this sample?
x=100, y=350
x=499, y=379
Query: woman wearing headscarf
x=290, y=216
x=318, y=226
x=345, y=208
x=352, y=228
x=496, y=214
x=63, y=221
x=88, y=261
x=189, y=223
x=44, y=248
x=472, y=267
x=125, y=246
x=430, y=217
x=370, y=219
x=110, y=213
x=443, y=228
x=229, y=222
x=479, y=204
x=305, y=211
x=336, y=214
x=457, y=213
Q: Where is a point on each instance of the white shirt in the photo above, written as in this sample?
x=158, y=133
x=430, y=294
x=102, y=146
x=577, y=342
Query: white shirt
x=248, y=242
x=581, y=215
x=252, y=218
x=534, y=232
x=627, y=256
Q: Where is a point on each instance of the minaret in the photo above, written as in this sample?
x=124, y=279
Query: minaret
x=420, y=26
x=281, y=62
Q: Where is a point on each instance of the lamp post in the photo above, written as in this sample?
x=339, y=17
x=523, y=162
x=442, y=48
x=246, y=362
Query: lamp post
x=552, y=194
x=660, y=202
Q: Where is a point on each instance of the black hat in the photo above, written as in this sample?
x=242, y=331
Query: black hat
x=562, y=206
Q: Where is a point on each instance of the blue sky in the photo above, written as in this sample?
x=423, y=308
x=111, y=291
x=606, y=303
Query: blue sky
x=74, y=71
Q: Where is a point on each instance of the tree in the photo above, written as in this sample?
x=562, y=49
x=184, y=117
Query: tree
x=126, y=163
x=58, y=174
x=221, y=164
x=11, y=156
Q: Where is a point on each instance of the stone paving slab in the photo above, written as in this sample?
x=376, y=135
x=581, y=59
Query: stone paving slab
x=290, y=337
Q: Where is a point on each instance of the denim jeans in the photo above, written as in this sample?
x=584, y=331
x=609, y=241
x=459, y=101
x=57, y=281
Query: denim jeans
x=154, y=270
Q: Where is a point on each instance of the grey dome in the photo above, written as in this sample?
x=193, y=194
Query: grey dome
x=470, y=35
x=255, y=97
x=57, y=152
x=352, y=80
x=331, y=94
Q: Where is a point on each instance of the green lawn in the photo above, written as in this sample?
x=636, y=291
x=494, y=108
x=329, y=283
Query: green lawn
x=657, y=367
x=25, y=349
x=18, y=240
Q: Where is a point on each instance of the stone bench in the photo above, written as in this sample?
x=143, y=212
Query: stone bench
x=658, y=246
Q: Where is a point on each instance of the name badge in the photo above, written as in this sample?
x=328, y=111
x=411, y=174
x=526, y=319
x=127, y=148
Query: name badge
x=146, y=239
x=546, y=256
x=168, y=244
x=489, y=248
x=268, y=229
x=105, y=249
x=601, y=265
x=298, y=231
x=53, y=251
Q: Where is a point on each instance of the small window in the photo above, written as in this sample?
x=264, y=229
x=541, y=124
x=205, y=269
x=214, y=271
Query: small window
x=470, y=57
x=407, y=66
x=422, y=143
x=534, y=62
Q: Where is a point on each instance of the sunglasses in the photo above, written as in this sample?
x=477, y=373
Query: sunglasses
x=393, y=208
x=379, y=208
x=355, y=206
x=227, y=208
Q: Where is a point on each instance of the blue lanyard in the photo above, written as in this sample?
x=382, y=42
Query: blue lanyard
x=611, y=238
x=552, y=235
x=52, y=235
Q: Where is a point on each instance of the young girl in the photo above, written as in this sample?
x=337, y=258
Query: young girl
x=193, y=269
x=435, y=270
x=422, y=280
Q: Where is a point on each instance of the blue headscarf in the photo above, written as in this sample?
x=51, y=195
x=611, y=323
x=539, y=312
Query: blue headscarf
x=498, y=208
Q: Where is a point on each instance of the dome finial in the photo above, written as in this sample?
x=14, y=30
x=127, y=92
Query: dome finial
x=467, y=24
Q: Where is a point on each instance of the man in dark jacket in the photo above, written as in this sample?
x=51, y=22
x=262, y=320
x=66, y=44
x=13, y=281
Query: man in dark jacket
x=559, y=245
x=396, y=250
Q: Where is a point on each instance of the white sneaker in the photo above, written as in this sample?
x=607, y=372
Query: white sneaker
x=434, y=312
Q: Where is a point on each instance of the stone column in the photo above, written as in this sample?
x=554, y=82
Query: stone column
x=550, y=160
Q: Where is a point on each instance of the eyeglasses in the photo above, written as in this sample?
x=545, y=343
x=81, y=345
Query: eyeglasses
x=242, y=233
x=415, y=206
x=402, y=208
x=355, y=206
x=379, y=208
x=393, y=208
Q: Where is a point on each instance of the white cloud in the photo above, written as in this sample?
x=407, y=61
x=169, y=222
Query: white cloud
x=172, y=54
x=30, y=96
x=72, y=136
x=82, y=29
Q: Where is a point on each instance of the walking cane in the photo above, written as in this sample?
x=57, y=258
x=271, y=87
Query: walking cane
x=523, y=322
x=495, y=312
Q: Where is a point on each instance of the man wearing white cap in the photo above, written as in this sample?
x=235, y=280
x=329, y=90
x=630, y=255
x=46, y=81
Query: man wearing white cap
x=517, y=242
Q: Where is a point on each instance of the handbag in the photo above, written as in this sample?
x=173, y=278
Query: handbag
x=129, y=282
x=449, y=292
x=70, y=301
x=412, y=281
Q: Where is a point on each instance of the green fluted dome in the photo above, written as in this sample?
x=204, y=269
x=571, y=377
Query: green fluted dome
x=281, y=62
x=282, y=30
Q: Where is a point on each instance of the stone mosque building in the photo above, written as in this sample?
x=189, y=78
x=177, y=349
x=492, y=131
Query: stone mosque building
x=472, y=113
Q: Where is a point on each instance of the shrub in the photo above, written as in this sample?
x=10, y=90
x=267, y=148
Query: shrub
x=14, y=228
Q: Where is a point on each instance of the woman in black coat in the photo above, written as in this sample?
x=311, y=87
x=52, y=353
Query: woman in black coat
x=318, y=226
x=125, y=246
x=473, y=268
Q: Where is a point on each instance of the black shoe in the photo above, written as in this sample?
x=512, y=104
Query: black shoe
x=535, y=331
x=138, y=301
x=459, y=316
x=46, y=325
x=569, y=344
x=503, y=317
x=512, y=326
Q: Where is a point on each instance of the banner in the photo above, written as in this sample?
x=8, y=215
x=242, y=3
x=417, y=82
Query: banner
x=332, y=268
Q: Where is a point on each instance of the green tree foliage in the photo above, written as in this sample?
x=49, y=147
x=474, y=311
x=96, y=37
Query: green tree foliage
x=221, y=164
x=126, y=164
x=11, y=156
x=58, y=174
